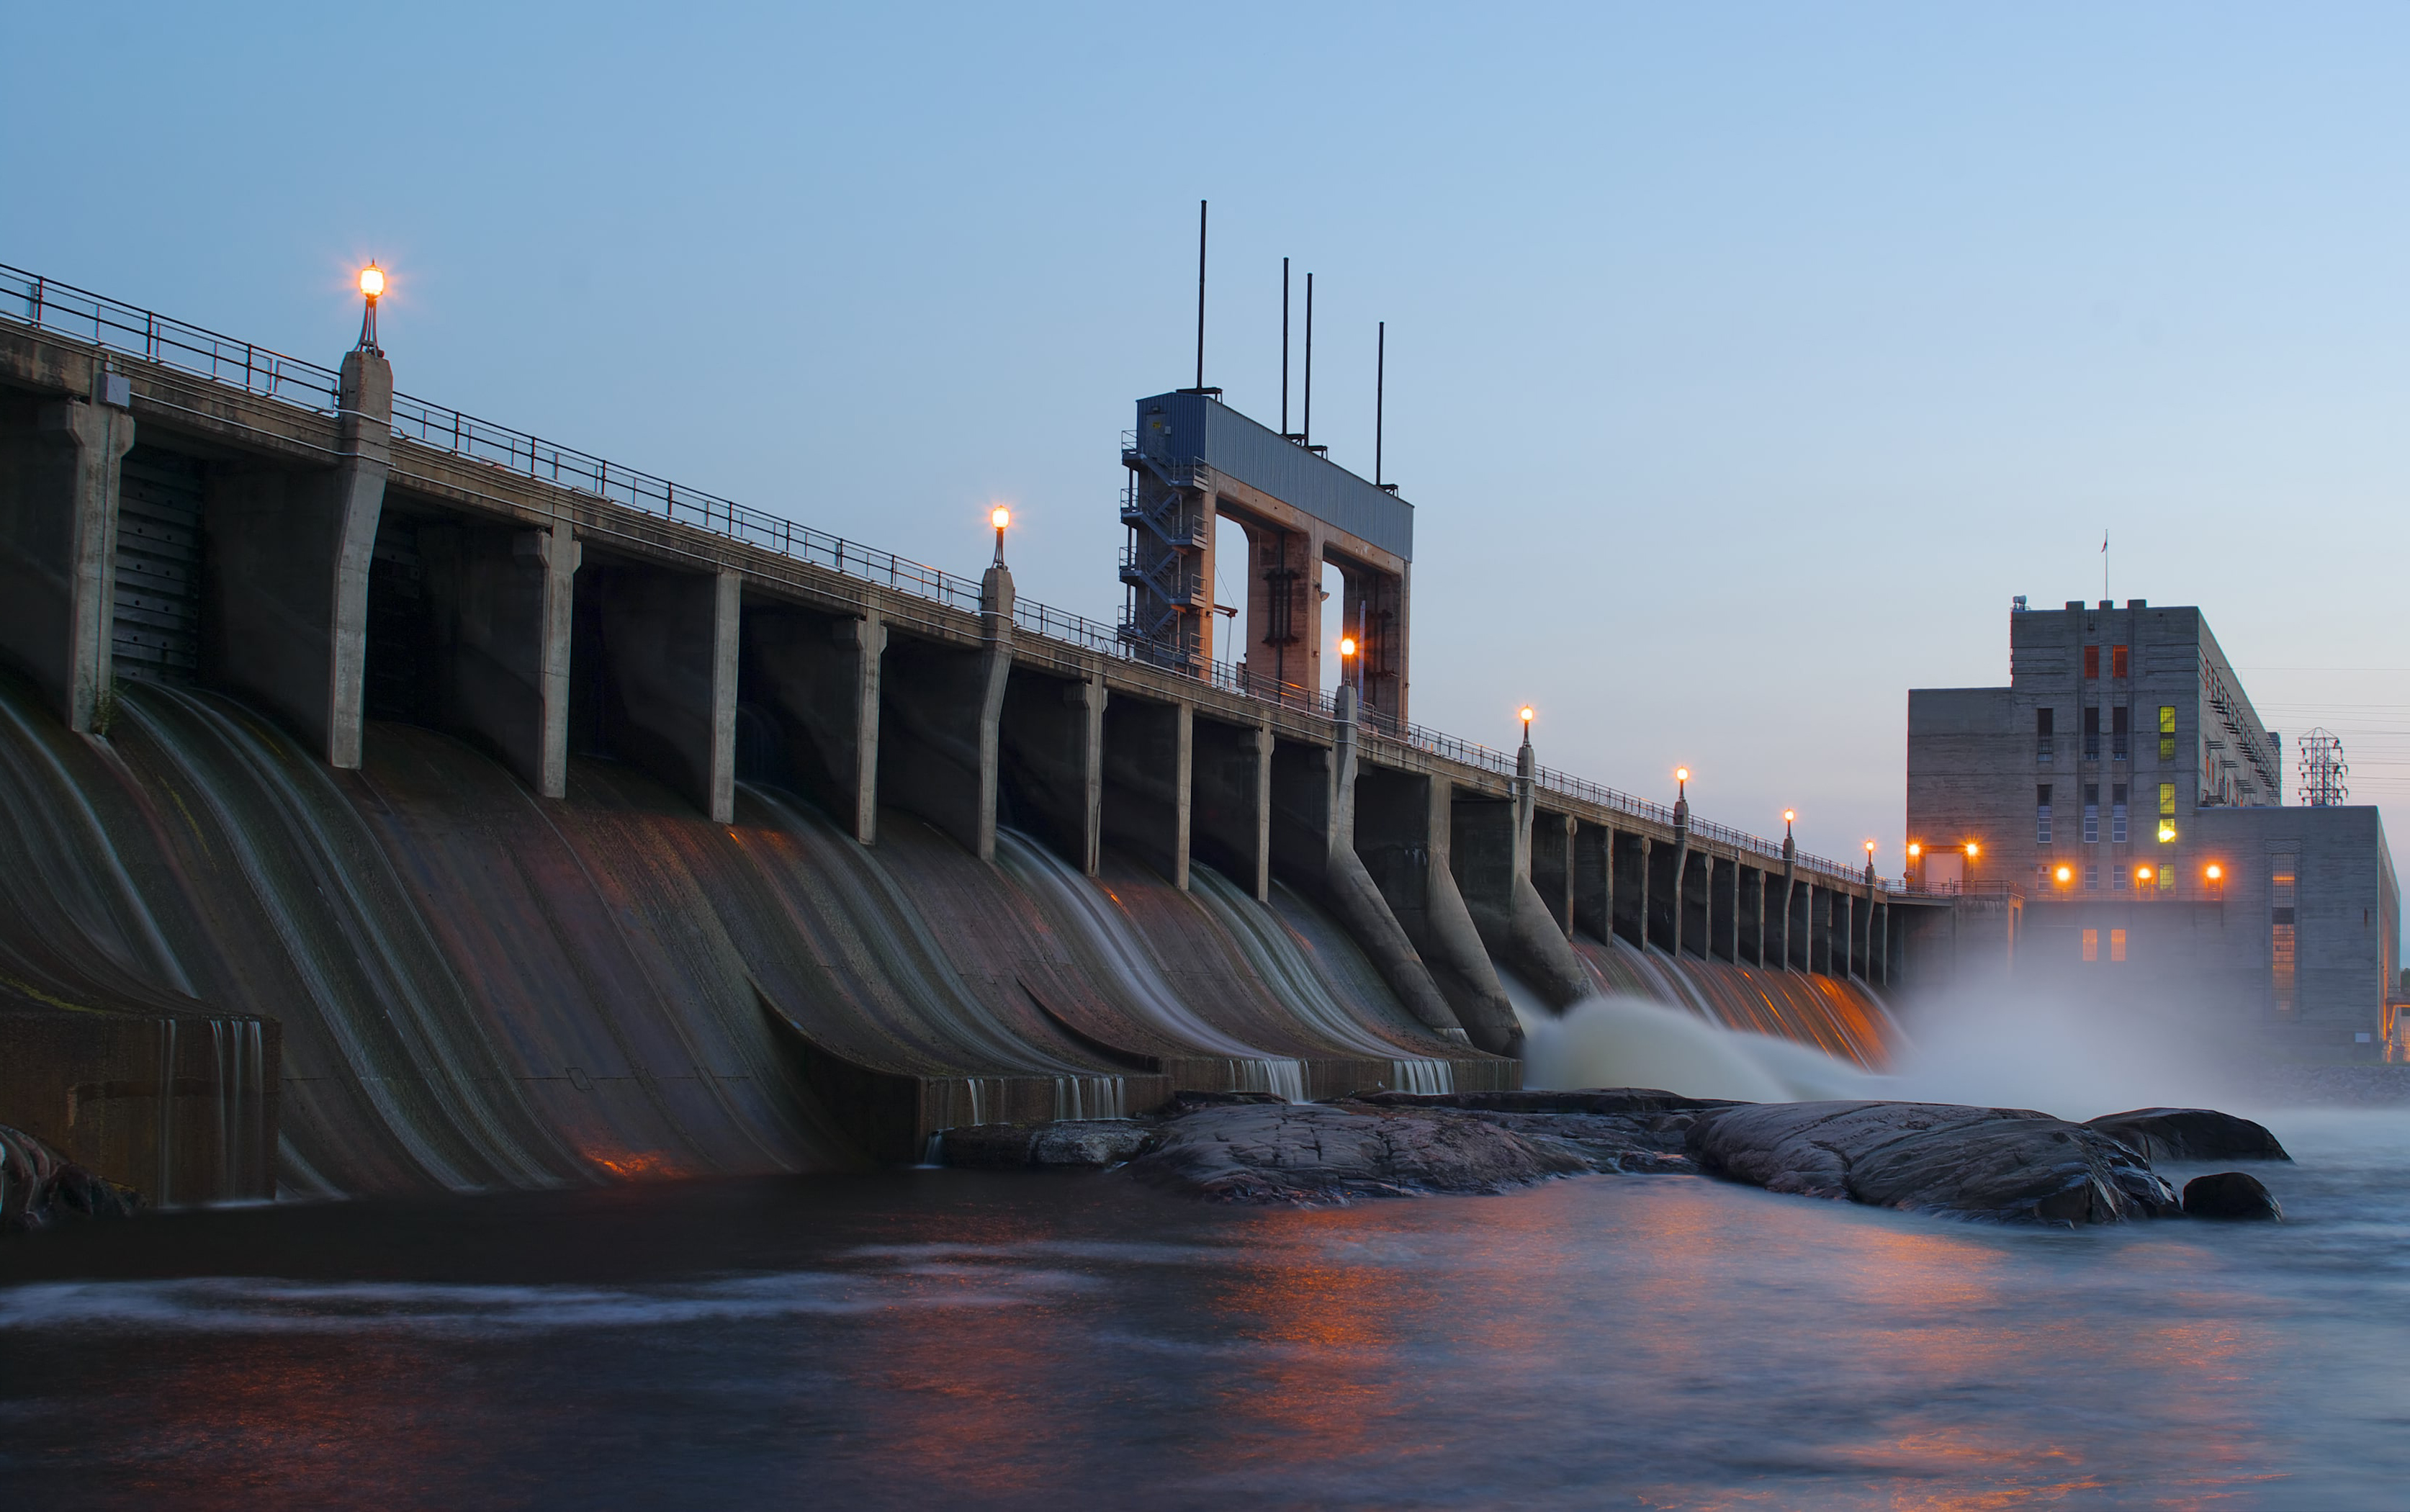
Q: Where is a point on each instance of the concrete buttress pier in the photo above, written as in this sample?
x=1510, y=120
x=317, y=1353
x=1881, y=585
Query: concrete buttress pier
x=1053, y=755
x=1230, y=811
x=58, y=475
x=287, y=558
x=808, y=701
x=656, y=658
x=1404, y=837
x=1314, y=843
x=1491, y=854
x=941, y=715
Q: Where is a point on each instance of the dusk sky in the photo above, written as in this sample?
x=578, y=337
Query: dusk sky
x=1744, y=362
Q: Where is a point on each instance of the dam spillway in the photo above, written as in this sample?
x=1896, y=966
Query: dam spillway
x=383, y=815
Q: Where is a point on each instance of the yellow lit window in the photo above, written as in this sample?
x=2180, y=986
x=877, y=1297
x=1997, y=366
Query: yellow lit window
x=2167, y=812
x=2116, y=944
x=2092, y=944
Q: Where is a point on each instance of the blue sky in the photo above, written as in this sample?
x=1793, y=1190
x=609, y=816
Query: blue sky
x=1744, y=362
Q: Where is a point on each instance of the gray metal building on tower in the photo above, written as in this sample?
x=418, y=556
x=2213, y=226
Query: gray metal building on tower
x=1194, y=459
x=2122, y=794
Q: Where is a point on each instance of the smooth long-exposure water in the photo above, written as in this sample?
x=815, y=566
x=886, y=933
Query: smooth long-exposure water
x=948, y=1338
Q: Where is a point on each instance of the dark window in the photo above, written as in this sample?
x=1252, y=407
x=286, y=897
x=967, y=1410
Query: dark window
x=2121, y=730
x=2091, y=813
x=2118, y=814
x=2041, y=813
x=2092, y=731
x=2092, y=661
x=2043, y=720
x=2117, y=661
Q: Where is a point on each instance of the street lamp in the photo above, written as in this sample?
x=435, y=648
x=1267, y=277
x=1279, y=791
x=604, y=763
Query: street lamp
x=999, y=517
x=1681, y=781
x=371, y=285
x=2064, y=876
x=1527, y=722
x=2141, y=877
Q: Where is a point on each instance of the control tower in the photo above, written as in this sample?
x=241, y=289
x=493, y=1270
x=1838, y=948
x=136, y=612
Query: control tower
x=1193, y=460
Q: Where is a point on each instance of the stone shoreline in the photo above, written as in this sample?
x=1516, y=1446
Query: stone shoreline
x=1996, y=1165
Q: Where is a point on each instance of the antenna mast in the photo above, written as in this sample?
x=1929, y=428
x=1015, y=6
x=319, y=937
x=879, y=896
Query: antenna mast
x=1380, y=390
x=1200, y=296
x=1285, y=435
x=1306, y=436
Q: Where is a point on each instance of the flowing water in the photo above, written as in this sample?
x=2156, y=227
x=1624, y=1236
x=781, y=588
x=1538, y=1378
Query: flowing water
x=966, y=1339
x=547, y=1004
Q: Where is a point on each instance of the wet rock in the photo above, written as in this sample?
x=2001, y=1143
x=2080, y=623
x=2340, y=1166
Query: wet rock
x=39, y=1187
x=1325, y=1152
x=1071, y=1143
x=2229, y=1194
x=2001, y=1165
x=1189, y=1101
x=2189, y=1134
x=1091, y=1143
x=1626, y=1130
x=1619, y=1102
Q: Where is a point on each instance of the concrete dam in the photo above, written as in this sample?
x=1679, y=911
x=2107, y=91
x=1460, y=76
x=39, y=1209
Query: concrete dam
x=396, y=801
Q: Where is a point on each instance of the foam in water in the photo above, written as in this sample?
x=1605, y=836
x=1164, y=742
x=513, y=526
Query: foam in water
x=1992, y=1048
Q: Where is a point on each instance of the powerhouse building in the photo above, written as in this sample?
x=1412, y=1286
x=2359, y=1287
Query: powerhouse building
x=2122, y=801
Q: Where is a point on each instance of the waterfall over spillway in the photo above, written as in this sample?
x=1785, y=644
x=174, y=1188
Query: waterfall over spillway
x=234, y=970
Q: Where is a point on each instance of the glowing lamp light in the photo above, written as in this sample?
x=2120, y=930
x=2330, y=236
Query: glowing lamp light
x=999, y=517
x=2167, y=832
x=1913, y=848
x=2141, y=874
x=1870, y=848
x=372, y=281
x=1347, y=645
x=1974, y=850
x=1526, y=712
x=2213, y=871
x=1790, y=814
x=2066, y=874
x=1681, y=773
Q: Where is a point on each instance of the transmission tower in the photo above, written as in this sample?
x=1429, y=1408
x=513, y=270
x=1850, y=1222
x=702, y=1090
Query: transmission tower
x=2322, y=770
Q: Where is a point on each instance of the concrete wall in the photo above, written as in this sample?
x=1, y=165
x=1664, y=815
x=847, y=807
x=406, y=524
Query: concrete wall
x=58, y=544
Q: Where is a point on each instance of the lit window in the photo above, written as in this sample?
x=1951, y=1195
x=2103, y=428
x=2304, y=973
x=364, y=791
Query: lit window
x=2167, y=877
x=2117, y=936
x=2281, y=879
x=2092, y=662
x=2118, y=814
x=2167, y=732
x=2117, y=661
x=2092, y=944
x=2167, y=812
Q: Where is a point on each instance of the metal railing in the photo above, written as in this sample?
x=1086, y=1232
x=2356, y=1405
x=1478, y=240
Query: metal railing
x=104, y=321
x=113, y=326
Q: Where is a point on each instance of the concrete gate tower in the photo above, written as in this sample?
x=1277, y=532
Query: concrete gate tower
x=1195, y=460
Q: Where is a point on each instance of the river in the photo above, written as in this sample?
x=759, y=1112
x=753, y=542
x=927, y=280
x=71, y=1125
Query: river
x=937, y=1338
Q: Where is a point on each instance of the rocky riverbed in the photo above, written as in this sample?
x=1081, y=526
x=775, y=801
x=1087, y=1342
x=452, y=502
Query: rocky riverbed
x=1999, y=1165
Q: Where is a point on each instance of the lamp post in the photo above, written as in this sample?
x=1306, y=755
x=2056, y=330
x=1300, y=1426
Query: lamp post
x=1870, y=863
x=1681, y=796
x=999, y=517
x=371, y=285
